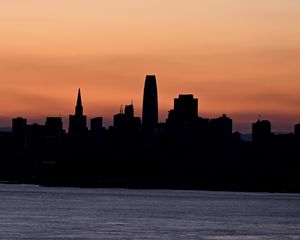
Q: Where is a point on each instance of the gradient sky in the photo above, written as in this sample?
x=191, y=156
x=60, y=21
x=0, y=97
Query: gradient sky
x=238, y=57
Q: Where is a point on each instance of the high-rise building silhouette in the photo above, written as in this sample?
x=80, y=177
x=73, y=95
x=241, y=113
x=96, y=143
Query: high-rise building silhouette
x=19, y=126
x=129, y=111
x=54, y=131
x=185, y=110
x=150, y=105
x=261, y=131
x=19, y=131
x=297, y=130
x=96, y=124
x=186, y=107
x=126, y=120
x=184, y=117
x=35, y=136
x=54, y=126
x=221, y=128
x=77, y=122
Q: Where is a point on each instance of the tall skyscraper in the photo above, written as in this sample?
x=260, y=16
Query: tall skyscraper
x=77, y=122
x=150, y=105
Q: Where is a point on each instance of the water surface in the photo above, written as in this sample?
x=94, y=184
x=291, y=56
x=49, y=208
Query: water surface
x=33, y=212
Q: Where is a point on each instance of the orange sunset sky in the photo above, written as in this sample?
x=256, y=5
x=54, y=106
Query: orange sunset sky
x=238, y=57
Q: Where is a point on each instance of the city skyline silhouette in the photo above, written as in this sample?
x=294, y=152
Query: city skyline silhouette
x=108, y=121
x=155, y=119
x=187, y=151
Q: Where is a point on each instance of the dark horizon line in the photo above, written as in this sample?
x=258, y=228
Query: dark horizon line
x=109, y=123
x=242, y=127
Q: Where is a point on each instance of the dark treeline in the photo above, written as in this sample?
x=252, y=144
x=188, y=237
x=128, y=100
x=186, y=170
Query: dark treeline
x=186, y=152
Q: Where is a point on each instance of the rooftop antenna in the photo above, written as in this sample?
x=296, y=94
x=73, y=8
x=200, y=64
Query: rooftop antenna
x=259, y=117
x=121, y=109
x=131, y=102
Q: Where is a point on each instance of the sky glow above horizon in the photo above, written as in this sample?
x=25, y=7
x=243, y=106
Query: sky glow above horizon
x=237, y=57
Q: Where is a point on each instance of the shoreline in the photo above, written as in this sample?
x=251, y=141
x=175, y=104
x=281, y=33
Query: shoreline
x=114, y=184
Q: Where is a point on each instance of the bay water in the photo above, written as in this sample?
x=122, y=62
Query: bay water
x=34, y=212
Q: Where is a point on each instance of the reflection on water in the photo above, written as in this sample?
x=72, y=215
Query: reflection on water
x=32, y=212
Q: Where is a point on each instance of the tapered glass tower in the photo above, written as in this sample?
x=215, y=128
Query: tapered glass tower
x=150, y=105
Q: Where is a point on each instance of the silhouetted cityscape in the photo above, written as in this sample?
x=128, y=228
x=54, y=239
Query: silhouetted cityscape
x=187, y=151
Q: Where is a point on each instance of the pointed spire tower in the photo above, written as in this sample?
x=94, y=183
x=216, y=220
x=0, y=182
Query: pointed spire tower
x=77, y=122
x=79, y=108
